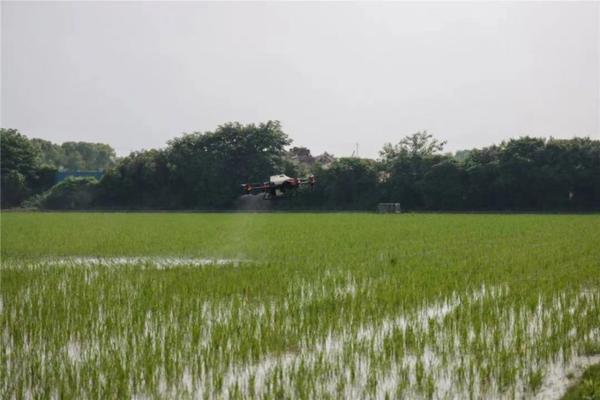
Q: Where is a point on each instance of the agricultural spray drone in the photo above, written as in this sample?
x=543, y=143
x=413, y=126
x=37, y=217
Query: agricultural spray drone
x=278, y=186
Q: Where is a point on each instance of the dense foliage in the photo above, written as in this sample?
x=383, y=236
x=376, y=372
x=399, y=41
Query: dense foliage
x=71, y=194
x=29, y=166
x=203, y=170
x=197, y=170
x=75, y=156
x=520, y=174
x=22, y=175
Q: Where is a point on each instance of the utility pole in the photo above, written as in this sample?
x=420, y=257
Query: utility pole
x=355, y=152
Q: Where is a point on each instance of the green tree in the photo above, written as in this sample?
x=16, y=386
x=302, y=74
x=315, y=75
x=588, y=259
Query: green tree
x=417, y=145
x=405, y=166
x=207, y=168
x=18, y=163
x=348, y=183
x=87, y=156
x=444, y=186
x=70, y=194
x=75, y=156
x=575, y=167
x=461, y=155
x=140, y=180
x=482, y=172
x=49, y=153
x=535, y=174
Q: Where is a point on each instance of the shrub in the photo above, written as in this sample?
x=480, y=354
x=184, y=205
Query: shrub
x=70, y=194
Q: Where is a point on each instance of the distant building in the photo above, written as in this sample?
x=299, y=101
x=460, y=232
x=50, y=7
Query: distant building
x=302, y=159
x=62, y=175
x=325, y=160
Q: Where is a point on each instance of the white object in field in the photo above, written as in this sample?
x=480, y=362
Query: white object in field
x=279, y=179
x=389, y=208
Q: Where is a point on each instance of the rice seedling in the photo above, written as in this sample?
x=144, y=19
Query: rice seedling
x=297, y=305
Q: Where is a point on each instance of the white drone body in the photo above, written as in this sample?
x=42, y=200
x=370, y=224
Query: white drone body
x=278, y=185
x=279, y=179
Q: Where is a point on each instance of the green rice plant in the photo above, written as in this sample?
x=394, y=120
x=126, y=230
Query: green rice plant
x=294, y=305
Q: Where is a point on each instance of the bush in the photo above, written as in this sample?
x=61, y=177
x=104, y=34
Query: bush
x=13, y=187
x=70, y=194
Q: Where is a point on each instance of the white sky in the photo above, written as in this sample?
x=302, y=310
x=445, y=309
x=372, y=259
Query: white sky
x=135, y=75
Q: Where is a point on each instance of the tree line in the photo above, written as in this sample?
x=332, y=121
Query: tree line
x=75, y=156
x=29, y=166
x=204, y=170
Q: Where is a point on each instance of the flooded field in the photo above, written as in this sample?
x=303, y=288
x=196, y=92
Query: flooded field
x=297, y=305
x=151, y=262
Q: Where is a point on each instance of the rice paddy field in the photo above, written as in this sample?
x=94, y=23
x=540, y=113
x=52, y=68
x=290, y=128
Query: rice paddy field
x=107, y=305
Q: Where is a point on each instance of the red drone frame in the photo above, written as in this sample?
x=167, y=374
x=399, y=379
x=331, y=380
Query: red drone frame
x=278, y=186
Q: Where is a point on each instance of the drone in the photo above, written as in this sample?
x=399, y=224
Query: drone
x=279, y=186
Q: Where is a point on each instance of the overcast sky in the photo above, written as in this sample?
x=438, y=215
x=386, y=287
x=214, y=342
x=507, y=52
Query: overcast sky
x=135, y=75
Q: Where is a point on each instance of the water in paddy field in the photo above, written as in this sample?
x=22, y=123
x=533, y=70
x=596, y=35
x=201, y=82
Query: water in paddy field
x=444, y=348
x=150, y=261
x=356, y=360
